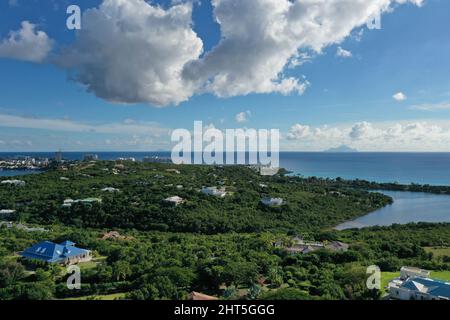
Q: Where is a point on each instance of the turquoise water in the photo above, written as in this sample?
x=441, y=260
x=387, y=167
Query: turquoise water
x=407, y=207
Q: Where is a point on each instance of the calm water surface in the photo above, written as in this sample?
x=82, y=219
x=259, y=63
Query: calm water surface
x=408, y=207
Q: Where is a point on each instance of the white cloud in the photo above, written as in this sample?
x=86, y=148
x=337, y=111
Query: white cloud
x=431, y=135
x=126, y=127
x=133, y=51
x=432, y=106
x=399, y=96
x=242, y=116
x=298, y=132
x=343, y=53
x=27, y=44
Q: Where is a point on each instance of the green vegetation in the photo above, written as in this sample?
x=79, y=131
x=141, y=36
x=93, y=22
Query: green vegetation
x=218, y=246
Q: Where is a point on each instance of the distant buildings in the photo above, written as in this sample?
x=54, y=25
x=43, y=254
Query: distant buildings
x=131, y=159
x=272, y=202
x=64, y=253
x=90, y=157
x=176, y=200
x=157, y=160
x=16, y=183
x=213, y=191
x=24, y=163
x=58, y=156
x=415, y=284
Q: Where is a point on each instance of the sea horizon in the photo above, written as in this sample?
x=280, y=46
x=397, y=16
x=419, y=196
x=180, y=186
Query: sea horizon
x=426, y=168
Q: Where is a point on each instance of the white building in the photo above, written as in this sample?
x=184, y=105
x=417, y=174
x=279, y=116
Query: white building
x=17, y=183
x=419, y=289
x=6, y=213
x=409, y=272
x=175, y=200
x=213, y=191
x=415, y=284
x=69, y=202
x=272, y=202
x=110, y=189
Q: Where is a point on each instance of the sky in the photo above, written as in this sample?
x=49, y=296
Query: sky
x=136, y=70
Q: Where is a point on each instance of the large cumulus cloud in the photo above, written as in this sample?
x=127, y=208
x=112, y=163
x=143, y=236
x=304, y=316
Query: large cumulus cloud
x=130, y=51
x=133, y=51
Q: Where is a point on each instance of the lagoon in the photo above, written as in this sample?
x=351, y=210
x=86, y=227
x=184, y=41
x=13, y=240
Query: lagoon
x=408, y=207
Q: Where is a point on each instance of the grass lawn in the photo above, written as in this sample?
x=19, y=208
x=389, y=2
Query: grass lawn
x=101, y=297
x=386, y=277
x=91, y=264
x=438, y=251
x=441, y=275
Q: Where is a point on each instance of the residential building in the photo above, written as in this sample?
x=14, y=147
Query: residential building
x=6, y=213
x=196, y=296
x=88, y=201
x=272, y=202
x=110, y=189
x=337, y=246
x=16, y=183
x=417, y=288
x=409, y=272
x=214, y=191
x=175, y=200
x=64, y=253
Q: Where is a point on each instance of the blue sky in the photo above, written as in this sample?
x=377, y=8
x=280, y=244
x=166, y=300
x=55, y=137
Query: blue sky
x=348, y=99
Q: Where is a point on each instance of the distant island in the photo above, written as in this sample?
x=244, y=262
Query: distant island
x=341, y=149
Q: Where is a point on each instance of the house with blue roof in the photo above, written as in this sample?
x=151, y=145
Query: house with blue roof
x=64, y=253
x=419, y=288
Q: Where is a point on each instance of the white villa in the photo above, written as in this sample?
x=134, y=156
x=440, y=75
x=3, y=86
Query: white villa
x=415, y=284
x=110, y=189
x=214, y=191
x=69, y=202
x=6, y=213
x=175, y=200
x=17, y=183
x=271, y=202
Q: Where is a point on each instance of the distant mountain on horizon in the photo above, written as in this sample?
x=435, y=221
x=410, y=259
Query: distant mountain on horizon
x=341, y=149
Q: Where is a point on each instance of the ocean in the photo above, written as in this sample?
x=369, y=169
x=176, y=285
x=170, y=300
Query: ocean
x=405, y=168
